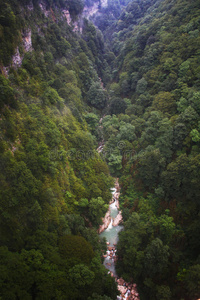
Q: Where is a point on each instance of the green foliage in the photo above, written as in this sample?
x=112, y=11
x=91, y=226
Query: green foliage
x=163, y=292
x=75, y=7
x=157, y=69
x=92, y=120
x=141, y=86
x=50, y=96
x=195, y=135
x=97, y=209
x=156, y=258
x=52, y=178
x=7, y=96
x=81, y=275
x=164, y=102
x=192, y=281
x=96, y=96
x=77, y=248
x=117, y=106
x=55, y=187
x=9, y=34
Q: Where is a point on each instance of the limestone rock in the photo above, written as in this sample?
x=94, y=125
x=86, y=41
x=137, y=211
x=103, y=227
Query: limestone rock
x=17, y=59
x=27, y=41
x=106, y=221
x=118, y=219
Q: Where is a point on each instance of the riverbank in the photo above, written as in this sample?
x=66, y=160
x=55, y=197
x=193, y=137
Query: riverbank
x=127, y=291
x=108, y=218
x=112, y=225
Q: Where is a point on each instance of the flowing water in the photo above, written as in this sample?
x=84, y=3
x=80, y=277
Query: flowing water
x=127, y=290
x=111, y=235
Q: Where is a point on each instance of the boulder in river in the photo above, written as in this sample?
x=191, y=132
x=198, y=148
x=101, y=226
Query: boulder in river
x=120, y=281
x=106, y=221
x=118, y=219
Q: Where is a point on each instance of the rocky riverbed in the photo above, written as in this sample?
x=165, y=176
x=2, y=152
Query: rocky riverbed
x=108, y=218
x=128, y=291
x=109, y=229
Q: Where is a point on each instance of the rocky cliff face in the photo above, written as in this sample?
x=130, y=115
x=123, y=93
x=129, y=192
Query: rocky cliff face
x=89, y=12
x=94, y=10
x=77, y=26
x=27, y=46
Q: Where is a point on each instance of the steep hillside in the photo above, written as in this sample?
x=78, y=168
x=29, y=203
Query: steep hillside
x=54, y=187
x=152, y=143
x=104, y=13
x=58, y=79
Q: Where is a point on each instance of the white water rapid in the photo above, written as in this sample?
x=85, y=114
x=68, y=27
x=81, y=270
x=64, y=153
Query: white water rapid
x=128, y=290
x=111, y=235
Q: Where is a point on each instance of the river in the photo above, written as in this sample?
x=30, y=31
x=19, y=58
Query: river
x=128, y=291
x=111, y=235
x=110, y=230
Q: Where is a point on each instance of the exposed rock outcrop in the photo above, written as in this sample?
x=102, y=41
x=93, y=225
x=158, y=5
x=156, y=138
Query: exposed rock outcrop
x=4, y=70
x=30, y=6
x=104, y=3
x=118, y=220
x=117, y=186
x=106, y=221
x=67, y=16
x=43, y=8
x=116, y=199
x=17, y=59
x=27, y=41
x=90, y=11
x=127, y=291
x=27, y=46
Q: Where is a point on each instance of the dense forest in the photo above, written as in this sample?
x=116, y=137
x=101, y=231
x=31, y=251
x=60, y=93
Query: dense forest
x=54, y=187
x=131, y=82
x=153, y=131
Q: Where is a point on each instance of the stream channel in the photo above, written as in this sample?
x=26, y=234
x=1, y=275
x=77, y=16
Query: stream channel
x=111, y=231
x=111, y=235
x=128, y=291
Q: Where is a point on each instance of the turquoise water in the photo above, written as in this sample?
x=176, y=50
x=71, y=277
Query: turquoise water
x=111, y=235
x=113, y=210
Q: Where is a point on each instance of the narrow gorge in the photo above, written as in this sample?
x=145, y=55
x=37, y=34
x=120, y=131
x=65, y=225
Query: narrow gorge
x=92, y=90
